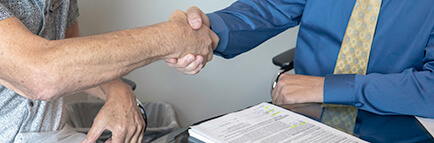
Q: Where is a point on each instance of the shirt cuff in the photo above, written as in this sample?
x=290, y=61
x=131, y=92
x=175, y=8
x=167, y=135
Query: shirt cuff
x=339, y=89
x=219, y=27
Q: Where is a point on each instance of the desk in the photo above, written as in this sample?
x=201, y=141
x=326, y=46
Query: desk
x=368, y=126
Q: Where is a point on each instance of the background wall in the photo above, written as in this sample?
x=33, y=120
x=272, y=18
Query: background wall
x=223, y=86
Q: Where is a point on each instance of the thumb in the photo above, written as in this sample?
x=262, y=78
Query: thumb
x=93, y=134
x=196, y=18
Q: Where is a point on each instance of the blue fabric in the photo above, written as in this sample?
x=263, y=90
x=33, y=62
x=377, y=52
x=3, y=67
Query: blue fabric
x=400, y=74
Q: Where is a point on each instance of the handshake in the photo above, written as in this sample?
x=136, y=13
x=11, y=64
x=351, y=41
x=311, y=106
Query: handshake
x=197, y=43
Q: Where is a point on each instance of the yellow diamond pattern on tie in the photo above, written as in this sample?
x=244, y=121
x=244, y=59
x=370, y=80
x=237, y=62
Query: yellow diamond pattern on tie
x=356, y=46
x=353, y=59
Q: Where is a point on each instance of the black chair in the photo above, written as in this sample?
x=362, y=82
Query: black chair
x=285, y=61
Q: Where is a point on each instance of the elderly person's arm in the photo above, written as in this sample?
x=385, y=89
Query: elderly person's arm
x=43, y=69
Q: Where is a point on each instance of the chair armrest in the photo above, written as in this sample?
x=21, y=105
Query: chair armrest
x=129, y=82
x=285, y=60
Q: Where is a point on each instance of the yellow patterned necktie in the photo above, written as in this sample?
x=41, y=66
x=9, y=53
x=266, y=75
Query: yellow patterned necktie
x=353, y=58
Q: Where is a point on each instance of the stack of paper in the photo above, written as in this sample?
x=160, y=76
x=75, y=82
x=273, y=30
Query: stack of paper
x=266, y=123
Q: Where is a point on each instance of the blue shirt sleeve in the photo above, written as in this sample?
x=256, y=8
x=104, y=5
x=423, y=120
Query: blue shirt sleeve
x=410, y=92
x=247, y=23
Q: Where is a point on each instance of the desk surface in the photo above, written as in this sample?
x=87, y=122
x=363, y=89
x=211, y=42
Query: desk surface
x=368, y=126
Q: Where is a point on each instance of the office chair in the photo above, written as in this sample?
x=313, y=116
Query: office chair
x=285, y=61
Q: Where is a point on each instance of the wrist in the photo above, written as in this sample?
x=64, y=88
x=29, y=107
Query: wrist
x=114, y=90
x=173, y=42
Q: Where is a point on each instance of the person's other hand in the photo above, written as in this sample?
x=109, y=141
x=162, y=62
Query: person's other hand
x=191, y=64
x=121, y=116
x=293, y=88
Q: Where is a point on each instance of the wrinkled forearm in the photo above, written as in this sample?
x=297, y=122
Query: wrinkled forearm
x=44, y=69
x=97, y=59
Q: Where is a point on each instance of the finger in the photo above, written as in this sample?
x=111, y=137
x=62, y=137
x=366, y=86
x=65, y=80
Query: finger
x=118, y=137
x=195, y=71
x=135, y=133
x=178, y=15
x=130, y=133
x=94, y=132
x=138, y=131
x=171, y=60
x=109, y=140
x=193, y=65
x=277, y=94
x=185, y=61
x=171, y=63
x=135, y=136
x=196, y=17
x=273, y=95
x=142, y=131
x=139, y=134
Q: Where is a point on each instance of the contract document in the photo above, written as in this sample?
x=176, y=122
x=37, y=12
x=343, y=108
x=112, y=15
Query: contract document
x=266, y=123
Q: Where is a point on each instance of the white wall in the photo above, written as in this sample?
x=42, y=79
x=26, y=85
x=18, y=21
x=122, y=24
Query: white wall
x=223, y=86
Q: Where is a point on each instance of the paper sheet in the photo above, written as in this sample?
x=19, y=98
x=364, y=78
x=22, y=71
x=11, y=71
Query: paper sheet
x=428, y=123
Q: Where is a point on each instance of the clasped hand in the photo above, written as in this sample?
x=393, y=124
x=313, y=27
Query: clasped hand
x=192, y=63
x=195, y=35
x=291, y=88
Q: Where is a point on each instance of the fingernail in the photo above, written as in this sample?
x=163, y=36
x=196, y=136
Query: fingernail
x=195, y=23
x=85, y=140
x=190, y=59
x=199, y=60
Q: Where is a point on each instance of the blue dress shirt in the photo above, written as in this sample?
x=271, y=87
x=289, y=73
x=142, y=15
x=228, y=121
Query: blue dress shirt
x=400, y=74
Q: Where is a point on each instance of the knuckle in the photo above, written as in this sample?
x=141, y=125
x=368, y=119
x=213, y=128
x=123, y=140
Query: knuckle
x=178, y=11
x=280, y=84
x=132, y=129
x=120, y=129
x=205, y=51
x=208, y=42
x=140, y=126
x=283, y=75
x=183, y=64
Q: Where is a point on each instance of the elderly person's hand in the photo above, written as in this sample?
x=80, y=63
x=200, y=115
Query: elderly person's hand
x=120, y=114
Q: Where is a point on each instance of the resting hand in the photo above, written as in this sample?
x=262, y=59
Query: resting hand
x=293, y=88
x=191, y=64
x=120, y=115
